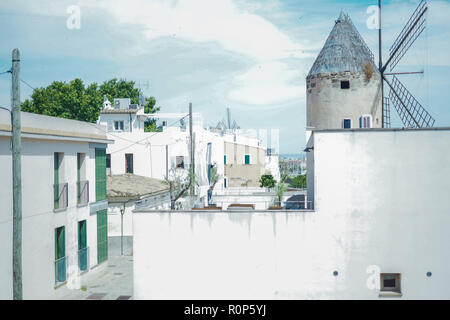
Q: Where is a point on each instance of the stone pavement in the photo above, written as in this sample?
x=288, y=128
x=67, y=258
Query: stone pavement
x=112, y=281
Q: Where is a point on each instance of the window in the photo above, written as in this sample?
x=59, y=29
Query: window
x=60, y=255
x=390, y=282
x=128, y=163
x=224, y=159
x=365, y=121
x=225, y=182
x=108, y=161
x=82, y=183
x=347, y=123
x=100, y=174
x=82, y=246
x=60, y=187
x=247, y=159
x=118, y=125
x=345, y=84
x=179, y=162
x=102, y=235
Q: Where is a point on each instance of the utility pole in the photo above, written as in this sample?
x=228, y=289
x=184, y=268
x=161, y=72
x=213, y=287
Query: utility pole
x=167, y=161
x=191, y=169
x=380, y=63
x=17, y=180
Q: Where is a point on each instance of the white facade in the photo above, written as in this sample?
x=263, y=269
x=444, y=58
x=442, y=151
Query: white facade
x=155, y=153
x=42, y=136
x=380, y=207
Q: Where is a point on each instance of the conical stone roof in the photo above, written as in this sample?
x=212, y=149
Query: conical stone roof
x=344, y=50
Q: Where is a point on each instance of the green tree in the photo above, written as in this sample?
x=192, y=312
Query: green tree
x=299, y=181
x=267, y=181
x=214, y=177
x=280, y=189
x=74, y=100
x=149, y=107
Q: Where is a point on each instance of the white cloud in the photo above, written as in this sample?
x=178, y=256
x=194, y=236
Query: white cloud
x=234, y=28
x=270, y=83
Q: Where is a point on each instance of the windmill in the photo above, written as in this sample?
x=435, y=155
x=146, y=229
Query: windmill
x=411, y=112
x=227, y=125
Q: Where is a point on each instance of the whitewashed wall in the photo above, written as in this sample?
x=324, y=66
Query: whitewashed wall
x=381, y=202
x=39, y=219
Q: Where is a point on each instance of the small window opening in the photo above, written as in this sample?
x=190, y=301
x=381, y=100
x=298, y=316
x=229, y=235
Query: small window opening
x=180, y=162
x=345, y=84
x=390, y=282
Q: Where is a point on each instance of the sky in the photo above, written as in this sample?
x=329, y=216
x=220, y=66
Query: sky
x=250, y=56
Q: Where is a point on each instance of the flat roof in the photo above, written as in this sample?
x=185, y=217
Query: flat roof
x=381, y=129
x=119, y=111
x=45, y=127
x=133, y=186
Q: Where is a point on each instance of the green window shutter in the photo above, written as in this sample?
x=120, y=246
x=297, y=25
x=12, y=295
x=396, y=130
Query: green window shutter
x=60, y=252
x=225, y=159
x=102, y=235
x=82, y=235
x=56, y=168
x=56, y=180
x=82, y=245
x=247, y=159
x=78, y=166
x=60, y=243
x=100, y=174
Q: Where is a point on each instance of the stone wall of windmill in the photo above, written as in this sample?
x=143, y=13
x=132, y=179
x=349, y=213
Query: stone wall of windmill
x=335, y=97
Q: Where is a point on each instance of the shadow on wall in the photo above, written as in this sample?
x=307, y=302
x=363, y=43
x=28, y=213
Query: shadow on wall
x=114, y=246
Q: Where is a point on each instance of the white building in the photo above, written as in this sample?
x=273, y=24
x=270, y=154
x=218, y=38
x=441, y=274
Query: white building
x=240, y=159
x=64, y=220
x=379, y=229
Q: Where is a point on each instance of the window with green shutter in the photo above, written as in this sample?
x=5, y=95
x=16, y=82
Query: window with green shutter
x=56, y=180
x=247, y=159
x=100, y=174
x=82, y=246
x=102, y=235
x=60, y=254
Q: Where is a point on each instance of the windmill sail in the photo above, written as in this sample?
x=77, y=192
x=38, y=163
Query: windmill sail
x=409, y=34
x=386, y=113
x=411, y=112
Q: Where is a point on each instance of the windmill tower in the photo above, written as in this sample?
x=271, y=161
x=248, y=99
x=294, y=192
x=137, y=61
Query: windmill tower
x=411, y=112
x=344, y=85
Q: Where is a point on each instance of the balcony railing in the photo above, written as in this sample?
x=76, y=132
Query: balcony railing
x=297, y=205
x=82, y=192
x=83, y=259
x=60, y=270
x=60, y=195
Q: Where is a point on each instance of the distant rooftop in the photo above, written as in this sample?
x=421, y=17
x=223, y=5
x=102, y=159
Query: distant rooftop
x=344, y=50
x=133, y=186
x=119, y=111
x=41, y=125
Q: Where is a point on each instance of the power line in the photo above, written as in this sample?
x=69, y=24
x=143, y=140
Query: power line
x=27, y=84
x=146, y=138
x=9, y=71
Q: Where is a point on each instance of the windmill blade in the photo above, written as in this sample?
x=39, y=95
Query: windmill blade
x=412, y=30
x=411, y=112
x=386, y=113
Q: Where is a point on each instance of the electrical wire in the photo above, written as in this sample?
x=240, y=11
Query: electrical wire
x=27, y=84
x=146, y=138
